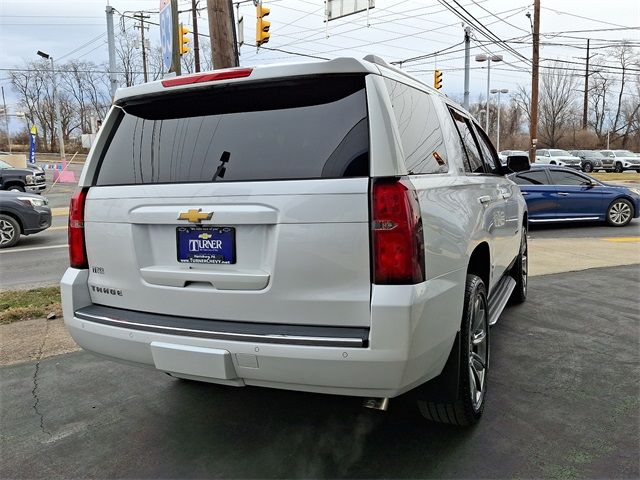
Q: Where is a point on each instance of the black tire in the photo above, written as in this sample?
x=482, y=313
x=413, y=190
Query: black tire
x=520, y=271
x=618, y=167
x=620, y=212
x=587, y=167
x=16, y=188
x=464, y=411
x=9, y=231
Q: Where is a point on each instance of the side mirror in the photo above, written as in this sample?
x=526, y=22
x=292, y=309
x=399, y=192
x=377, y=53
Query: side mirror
x=518, y=163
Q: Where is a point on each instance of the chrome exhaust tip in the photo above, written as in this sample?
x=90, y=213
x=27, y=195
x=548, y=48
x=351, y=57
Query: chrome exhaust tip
x=376, y=403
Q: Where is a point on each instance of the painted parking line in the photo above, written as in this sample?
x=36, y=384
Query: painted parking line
x=57, y=228
x=621, y=239
x=31, y=249
x=60, y=211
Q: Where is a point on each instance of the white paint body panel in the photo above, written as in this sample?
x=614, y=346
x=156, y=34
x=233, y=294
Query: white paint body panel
x=303, y=258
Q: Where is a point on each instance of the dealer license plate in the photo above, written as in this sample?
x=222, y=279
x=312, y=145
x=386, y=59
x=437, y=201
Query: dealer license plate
x=206, y=244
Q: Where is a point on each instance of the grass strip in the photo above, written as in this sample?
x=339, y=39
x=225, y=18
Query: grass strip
x=611, y=177
x=16, y=305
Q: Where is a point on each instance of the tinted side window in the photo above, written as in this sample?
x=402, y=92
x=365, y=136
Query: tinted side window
x=319, y=129
x=532, y=177
x=567, y=178
x=420, y=131
x=488, y=152
x=474, y=161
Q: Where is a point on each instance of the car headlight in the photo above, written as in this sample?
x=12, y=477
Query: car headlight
x=29, y=179
x=635, y=190
x=34, y=202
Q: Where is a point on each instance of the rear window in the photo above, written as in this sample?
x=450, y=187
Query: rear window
x=305, y=128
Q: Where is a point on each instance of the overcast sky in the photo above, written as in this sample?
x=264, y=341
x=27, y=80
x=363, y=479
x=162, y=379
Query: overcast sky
x=398, y=30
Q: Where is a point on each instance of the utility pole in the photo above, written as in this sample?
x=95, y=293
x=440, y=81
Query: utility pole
x=586, y=89
x=6, y=120
x=196, y=40
x=141, y=16
x=224, y=51
x=533, y=126
x=113, y=81
x=467, y=47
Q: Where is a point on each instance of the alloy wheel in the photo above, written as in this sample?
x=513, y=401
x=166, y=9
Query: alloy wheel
x=7, y=232
x=620, y=213
x=478, y=351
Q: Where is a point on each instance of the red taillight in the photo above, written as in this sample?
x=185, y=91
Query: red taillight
x=77, y=250
x=396, y=233
x=207, y=77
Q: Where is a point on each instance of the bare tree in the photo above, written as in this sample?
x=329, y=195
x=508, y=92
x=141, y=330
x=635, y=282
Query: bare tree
x=128, y=59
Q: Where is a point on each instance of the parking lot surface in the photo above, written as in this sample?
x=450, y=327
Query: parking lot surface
x=563, y=402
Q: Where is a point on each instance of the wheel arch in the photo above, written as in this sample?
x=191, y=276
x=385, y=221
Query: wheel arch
x=15, y=217
x=625, y=197
x=13, y=183
x=480, y=263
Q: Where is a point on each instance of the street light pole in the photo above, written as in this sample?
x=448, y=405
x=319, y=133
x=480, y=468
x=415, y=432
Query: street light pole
x=488, y=59
x=56, y=103
x=499, y=91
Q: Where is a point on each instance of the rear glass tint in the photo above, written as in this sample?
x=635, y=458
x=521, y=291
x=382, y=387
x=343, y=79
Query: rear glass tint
x=295, y=129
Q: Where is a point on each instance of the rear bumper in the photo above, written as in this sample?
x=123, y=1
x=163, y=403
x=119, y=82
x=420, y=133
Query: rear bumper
x=390, y=363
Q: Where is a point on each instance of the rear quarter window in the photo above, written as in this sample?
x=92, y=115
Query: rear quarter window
x=306, y=128
x=419, y=127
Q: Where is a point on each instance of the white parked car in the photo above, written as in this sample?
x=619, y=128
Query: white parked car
x=333, y=227
x=623, y=160
x=554, y=156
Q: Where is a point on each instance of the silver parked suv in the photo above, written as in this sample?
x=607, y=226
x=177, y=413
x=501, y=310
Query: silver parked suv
x=333, y=227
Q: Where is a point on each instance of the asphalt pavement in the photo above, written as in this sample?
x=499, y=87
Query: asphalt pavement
x=563, y=402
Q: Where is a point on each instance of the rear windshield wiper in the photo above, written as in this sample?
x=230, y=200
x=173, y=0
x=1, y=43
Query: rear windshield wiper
x=222, y=168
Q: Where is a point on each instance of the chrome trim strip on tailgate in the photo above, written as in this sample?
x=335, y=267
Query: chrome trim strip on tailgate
x=227, y=330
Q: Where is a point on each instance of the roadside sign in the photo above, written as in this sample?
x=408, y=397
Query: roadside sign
x=32, y=144
x=166, y=34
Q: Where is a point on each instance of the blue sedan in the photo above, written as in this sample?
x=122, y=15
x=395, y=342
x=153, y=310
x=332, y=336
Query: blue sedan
x=557, y=194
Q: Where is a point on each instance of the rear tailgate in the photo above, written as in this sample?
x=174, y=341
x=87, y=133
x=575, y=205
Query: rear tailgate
x=241, y=204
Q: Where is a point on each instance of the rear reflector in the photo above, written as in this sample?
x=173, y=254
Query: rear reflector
x=77, y=248
x=207, y=77
x=396, y=233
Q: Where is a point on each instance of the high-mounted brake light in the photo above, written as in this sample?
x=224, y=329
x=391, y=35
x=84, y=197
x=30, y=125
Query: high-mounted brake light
x=396, y=233
x=77, y=248
x=207, y=77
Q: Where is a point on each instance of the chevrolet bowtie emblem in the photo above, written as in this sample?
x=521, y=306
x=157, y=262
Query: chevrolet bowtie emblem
x=195, y=216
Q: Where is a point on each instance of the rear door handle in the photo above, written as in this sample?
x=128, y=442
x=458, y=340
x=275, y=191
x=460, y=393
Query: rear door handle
x=563, y=194
x=525, y=193
x=484, y=199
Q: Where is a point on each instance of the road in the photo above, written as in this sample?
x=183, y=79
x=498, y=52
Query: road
x=41, y=259
x=563, y=402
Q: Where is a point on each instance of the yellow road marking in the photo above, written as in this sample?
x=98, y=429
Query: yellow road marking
x=60, y=211
x=622, y=239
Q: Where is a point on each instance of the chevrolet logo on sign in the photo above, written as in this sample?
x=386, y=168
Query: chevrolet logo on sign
x=195, y=216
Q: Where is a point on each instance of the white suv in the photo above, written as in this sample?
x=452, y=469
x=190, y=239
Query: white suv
x=333, y=227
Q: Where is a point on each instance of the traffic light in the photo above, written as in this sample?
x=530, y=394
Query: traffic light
x=183, y=40
x=262, y=25
x=437, y=79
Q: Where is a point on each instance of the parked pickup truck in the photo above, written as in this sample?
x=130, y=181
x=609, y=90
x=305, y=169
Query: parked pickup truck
x=334, y=227
x=21, y=179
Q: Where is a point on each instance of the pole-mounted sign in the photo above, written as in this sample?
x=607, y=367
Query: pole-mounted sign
x=32, y=144
x=166, y=34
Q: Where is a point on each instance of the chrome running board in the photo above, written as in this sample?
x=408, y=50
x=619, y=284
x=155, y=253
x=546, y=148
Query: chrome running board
x=500, y=297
